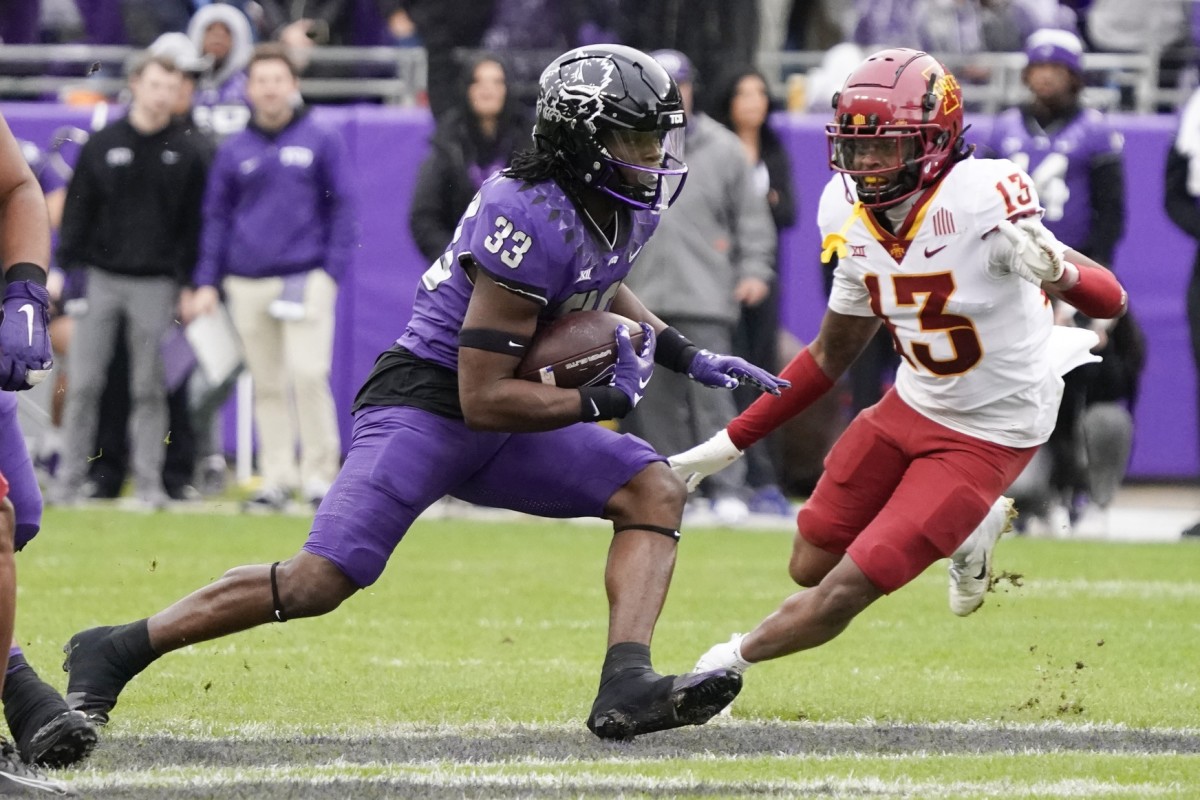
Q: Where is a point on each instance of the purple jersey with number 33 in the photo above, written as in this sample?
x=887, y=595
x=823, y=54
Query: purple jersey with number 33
x=531, y=239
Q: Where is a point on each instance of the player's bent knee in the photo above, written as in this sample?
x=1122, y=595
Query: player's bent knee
x=810, y=561
x=809, y=564
x=803, y=572
x=307, y=585
x=655, y=495
x=844, y=595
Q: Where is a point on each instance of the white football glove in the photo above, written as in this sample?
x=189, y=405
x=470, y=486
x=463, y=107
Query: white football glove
x=704, y=459
x=1036, y=255
x=726, y=655
x=35, y=376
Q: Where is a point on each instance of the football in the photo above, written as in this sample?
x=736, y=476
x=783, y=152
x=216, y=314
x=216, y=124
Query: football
x=577, y=349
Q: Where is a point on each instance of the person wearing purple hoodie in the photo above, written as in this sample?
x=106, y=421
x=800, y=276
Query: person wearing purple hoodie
x=222, y=35
x=279, y=229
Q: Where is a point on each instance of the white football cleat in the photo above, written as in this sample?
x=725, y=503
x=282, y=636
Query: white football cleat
x=971, y=563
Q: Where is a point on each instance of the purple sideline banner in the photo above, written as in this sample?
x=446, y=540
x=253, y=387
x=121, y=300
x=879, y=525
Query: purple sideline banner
x=387, y=145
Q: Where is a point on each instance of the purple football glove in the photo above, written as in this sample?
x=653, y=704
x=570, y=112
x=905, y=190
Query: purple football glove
x=729, y=372
x=12, y=374
x=24, y=340
x=633, y=370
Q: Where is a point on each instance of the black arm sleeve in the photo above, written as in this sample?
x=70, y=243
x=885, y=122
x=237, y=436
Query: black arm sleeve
x=1107, y=180
x=1180, y=205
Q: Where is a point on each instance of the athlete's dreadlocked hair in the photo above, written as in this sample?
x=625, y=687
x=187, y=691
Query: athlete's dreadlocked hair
x=536, y=165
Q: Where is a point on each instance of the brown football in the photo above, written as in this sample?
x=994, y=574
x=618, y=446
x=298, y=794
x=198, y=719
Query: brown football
x=577, y=349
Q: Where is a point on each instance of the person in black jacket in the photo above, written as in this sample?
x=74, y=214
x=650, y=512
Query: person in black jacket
x=132, y=219
x=742, y=103
x=471, y=142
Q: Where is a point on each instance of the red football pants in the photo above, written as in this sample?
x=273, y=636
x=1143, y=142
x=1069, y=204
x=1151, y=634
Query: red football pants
x=900, y=491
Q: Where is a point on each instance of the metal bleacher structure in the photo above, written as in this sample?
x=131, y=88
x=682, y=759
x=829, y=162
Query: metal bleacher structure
x=396, y=75
x=1114, y=81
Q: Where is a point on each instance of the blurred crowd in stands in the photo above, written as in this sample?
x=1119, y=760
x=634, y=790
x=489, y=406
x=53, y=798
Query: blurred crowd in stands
x=714, y=34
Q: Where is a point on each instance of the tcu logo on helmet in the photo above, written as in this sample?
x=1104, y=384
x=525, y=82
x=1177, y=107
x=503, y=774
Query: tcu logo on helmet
x=575, y=97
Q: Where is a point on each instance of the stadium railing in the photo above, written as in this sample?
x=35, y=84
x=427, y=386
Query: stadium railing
x=1114, y=81
x=397, y=75
x=388, y=75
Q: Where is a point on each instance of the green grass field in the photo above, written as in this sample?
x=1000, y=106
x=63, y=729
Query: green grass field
x=468, y=669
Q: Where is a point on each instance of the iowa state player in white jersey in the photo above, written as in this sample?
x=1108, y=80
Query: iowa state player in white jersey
x=949, y=253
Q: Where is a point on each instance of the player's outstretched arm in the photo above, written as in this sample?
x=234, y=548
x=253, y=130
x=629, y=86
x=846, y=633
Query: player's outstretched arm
x=677, y=353
x=1029, y=249
x=1090, y=287
x=811, y=374
x=719, y=371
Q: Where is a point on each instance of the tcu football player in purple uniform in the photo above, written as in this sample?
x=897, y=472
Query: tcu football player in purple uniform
x=442, y=413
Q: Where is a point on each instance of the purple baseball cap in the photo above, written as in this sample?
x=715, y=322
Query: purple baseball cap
x=677, y=65
x=1054, y=46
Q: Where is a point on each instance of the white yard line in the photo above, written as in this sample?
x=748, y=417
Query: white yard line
x=257, y=731
x=574, y=782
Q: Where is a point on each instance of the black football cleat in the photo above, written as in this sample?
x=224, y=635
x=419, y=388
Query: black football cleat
x=62, y=742
x=96, y=675
x=630, y=705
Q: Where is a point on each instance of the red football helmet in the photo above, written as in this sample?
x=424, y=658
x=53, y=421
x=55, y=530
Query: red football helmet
x=899, y=110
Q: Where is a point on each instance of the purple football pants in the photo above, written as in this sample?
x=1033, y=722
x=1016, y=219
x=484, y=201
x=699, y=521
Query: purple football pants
x=402, y=460
x=17, y=467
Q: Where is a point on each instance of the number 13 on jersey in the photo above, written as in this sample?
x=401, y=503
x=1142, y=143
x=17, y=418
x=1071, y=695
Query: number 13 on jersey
x=930, y=293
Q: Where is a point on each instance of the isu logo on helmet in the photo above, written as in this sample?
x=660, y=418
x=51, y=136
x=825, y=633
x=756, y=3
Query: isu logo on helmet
x=897, y=128
x=946, y=86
